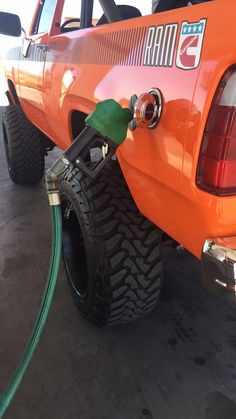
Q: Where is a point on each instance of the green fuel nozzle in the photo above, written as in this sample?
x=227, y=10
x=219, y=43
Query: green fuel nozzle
x=106, y=129
x=110, y=120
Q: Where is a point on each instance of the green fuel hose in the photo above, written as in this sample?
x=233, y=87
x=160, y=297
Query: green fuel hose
x=8, y=395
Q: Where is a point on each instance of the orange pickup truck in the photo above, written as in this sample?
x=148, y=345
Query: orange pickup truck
x=174, y=176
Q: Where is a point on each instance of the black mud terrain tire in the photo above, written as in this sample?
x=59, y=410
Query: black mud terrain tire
x=111, y=251
x=24, y=147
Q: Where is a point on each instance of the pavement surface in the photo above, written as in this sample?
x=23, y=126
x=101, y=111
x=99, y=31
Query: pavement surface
x=180, y=363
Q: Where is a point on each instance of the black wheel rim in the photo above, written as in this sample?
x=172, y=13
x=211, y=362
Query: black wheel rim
x=73, y=249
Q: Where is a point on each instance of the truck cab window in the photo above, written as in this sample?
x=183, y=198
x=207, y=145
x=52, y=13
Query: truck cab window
x=70, y=19
x=145, y=7
x=45, y=16
x=164, y=5
x=128, y=9
x=97, y=12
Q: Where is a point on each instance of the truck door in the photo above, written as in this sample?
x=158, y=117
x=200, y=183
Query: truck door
x=31, y=66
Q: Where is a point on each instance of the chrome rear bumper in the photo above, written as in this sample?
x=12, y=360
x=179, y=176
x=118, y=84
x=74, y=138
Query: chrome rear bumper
x=219, y=270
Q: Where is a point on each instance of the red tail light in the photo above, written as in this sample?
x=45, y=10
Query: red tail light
x=217, y=163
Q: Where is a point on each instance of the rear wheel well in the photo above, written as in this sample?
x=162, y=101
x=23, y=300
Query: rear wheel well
x=77, y=123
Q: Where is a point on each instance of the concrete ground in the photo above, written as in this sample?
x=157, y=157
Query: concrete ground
x=180, y=363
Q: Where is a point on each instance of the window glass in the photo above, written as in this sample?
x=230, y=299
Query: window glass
x=46, y=15
x=71, y=10
x=97, y=12
x=145, y=7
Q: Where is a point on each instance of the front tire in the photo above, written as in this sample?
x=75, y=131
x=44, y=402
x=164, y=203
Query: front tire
x=111, y=252
x=23, y=146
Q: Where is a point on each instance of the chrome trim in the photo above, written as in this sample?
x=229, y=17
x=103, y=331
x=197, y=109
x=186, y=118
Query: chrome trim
x=139, y=105
x=219, y=270
x=159, y=105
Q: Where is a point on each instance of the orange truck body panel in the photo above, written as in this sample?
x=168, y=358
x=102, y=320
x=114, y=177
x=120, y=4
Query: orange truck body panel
x=87, y=66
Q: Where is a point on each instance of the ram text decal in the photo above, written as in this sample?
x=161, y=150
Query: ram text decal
x=160, y=45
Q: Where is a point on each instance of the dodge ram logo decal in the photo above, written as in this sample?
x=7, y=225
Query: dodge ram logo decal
x=161, y=45
x=190, y=44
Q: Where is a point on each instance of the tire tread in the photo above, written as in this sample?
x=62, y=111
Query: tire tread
x=129, y=245
x=26, y=165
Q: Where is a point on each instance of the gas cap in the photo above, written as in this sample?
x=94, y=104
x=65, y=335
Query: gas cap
x=146, y=109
